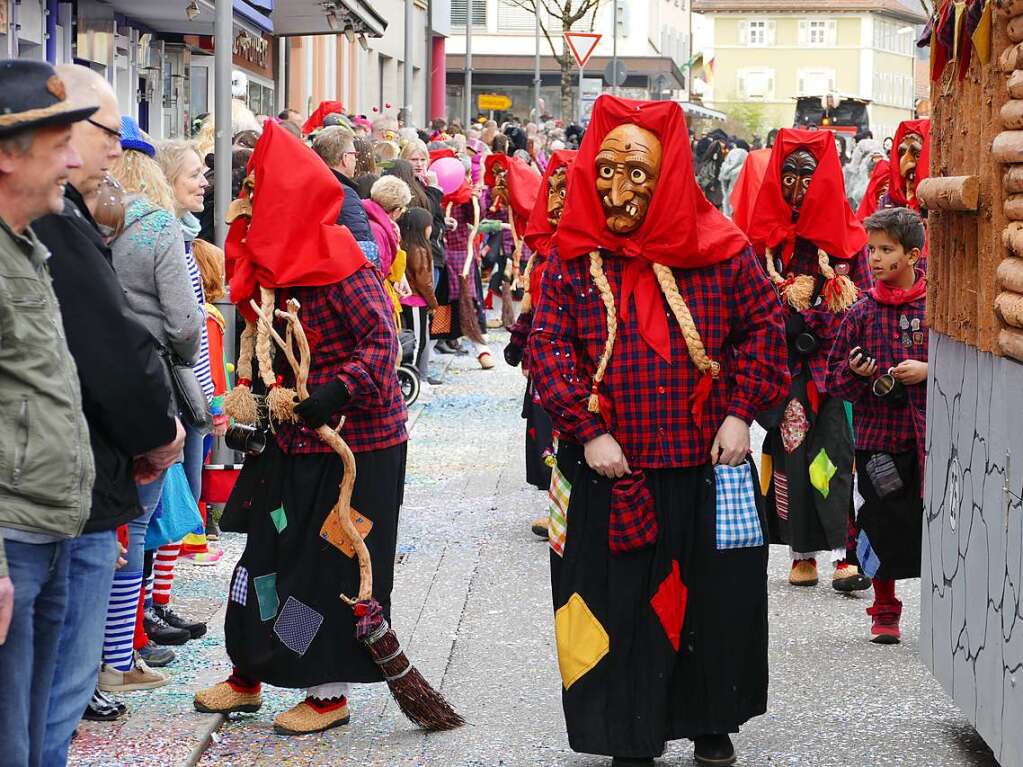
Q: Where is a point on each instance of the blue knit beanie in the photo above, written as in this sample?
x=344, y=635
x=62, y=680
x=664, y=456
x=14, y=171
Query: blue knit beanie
x=132, y=137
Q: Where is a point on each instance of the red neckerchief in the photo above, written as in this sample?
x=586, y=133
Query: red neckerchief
x=747, y=186
x=868, y=205
x=523, y=186
x=540, y=231
x=825, y=218
x=885, y=294
x=316, y=118
x=681, y=228
x=923, y=165
x=293, y=238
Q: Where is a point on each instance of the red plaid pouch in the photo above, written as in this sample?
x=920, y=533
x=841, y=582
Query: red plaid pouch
x=633, y=521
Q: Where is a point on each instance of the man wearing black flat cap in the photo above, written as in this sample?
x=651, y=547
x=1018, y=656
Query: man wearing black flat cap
x=125, y=396
x=46, y=464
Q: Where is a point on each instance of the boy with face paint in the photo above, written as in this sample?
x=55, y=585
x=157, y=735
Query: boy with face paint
x=879, y=363
x=656, y=338
x=540, y=229
x=813, y=248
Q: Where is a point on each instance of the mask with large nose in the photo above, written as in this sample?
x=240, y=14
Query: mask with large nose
x=556, y=184
x=628, y=166
x=909, y=156
x=796, y=172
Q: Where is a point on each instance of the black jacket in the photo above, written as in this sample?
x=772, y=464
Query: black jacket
x=353, y=215
x=440, y=227
x=125, y=388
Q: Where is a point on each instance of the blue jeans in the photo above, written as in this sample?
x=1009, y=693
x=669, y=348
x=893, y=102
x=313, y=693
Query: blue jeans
x=90, y=575
x=149, y=497
x=28, y=658
x=195, y=453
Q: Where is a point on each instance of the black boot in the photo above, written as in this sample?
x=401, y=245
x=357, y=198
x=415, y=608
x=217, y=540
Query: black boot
x=714, y=750
x=631, y=761
x=195, y=629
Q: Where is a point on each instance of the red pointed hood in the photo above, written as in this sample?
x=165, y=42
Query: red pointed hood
x=681, y=228
x=825, y=218
x=293, y=238
x=747, y=187
x=923, y=166
x=523, y=185
x=539, y=231
x=316, y=118
x=868, y=205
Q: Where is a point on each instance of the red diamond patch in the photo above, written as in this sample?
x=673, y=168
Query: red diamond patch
x=670, y=605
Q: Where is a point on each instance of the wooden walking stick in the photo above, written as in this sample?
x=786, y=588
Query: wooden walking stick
x=414, y=695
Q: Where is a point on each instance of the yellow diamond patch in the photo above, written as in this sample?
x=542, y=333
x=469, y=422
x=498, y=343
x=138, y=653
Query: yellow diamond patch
x=821, y=472
x=582, y=641
x=766, y=472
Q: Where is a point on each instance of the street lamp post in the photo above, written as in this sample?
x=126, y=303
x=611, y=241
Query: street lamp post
x=468, y=63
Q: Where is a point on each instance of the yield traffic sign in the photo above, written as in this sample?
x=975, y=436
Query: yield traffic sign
x=582, y=45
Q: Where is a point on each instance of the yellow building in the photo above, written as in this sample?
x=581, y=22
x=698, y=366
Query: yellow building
x=771, y=51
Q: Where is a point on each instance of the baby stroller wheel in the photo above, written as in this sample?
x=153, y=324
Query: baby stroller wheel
x=408, y=380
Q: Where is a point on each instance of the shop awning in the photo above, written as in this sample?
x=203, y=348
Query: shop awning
x=170, y=17
x=326, y=17
x=698, y=110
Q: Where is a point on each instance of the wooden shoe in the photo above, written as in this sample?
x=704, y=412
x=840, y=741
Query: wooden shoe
x=803, y=573
x=305, y=718
x=540, y=527
x=486, y=361
x=222, y=698
x=848, y=578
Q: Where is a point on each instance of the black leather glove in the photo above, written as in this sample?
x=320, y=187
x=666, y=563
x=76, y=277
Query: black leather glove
x=513, y=355
x=323, y=402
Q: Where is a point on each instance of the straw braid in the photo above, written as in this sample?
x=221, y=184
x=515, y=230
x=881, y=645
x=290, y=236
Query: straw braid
x=697, y=351
x=839, y=291
x=527, y=296
x=797, y=291
x=239, y=403
x=604, y=288
x=280, y=401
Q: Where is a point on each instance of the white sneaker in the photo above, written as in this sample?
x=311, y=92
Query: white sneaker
x=139, y=677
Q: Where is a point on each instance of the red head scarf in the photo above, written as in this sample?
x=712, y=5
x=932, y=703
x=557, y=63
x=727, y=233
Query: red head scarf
x=293, y=238
x=539, y=231
x=681, y=229
x=523, y=186
x=747, y=186
x=461, y=195
x=316, y=118
x=923, y=166
x=868, y=205
x=825, y=218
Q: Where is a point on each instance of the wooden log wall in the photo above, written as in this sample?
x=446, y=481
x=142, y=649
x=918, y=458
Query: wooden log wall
x=1007, y=150
x=977, y=130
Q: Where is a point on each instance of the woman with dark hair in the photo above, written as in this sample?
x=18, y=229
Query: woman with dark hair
x=416, y=226
x=363, y=184
x=365, y=163
x=502, y=144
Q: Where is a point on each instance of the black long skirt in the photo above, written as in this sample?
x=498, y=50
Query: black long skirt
x=285, y=624
x=646, y=690
x=539, y=440
x=800, y=514
x=894, y=525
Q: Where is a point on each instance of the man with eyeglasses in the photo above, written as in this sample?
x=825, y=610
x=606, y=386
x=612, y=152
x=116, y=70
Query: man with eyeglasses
x=125, y=397
x=336, y=147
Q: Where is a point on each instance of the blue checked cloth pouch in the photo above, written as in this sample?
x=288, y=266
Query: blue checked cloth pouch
x=738, y=523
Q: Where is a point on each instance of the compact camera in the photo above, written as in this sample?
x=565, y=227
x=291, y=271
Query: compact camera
x=250, y=440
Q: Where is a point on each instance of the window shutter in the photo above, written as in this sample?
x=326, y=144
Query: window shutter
x=832, y=35
x=804, y=32
x=743, y=33
x=802, y=84
x=769, y=87
x=742, y=85
x=769, y=33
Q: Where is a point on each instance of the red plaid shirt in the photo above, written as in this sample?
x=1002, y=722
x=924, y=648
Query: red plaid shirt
x=351, y=331
x=891, y=334
x=819, y=319
x=739, y=318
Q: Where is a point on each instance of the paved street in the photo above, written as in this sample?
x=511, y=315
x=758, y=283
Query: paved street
x=472, y=603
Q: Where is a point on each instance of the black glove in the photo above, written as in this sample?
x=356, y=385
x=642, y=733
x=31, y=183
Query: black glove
x=513, y=355
x=323, y=402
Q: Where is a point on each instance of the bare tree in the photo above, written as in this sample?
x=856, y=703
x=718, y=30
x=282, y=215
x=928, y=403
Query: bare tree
x=567, y=14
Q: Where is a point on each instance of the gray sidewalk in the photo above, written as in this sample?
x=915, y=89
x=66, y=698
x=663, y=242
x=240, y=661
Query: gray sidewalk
x=472, y=604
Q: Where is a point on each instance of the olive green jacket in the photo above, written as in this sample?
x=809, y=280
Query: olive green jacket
x=46, y=468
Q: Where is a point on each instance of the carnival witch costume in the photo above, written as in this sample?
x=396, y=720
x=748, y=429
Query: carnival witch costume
x=655, y=324
x=909, y=164
x=814, y=250
x=285, y=624
x=543, y=221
